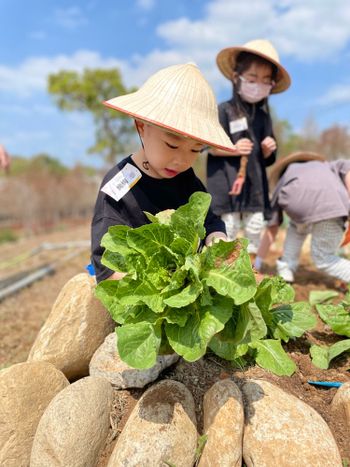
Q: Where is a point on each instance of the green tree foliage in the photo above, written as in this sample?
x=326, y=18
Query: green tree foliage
x=85, y=92
x=46, y=163
x=38, y=163
x=287, y=140
x=333, y=142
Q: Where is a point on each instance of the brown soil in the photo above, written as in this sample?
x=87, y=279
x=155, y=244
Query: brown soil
x=23, y=314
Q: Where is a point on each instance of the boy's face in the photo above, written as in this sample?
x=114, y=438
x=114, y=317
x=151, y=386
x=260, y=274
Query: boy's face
x=168, y=154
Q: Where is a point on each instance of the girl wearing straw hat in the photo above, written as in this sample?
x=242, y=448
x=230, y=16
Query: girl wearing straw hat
x=315, y=195
x=239, y=185
x=176, y=116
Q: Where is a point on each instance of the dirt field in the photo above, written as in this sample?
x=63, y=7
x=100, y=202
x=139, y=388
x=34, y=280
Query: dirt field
x=23, y=314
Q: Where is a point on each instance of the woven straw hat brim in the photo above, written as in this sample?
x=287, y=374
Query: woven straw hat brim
x=180, y=100
x=223, y=143
x=226, y=61
x=282, y=164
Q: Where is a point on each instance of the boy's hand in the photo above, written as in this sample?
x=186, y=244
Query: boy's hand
x=268, y=146
x=244, y=146
x=215, y=237
x=117, y=276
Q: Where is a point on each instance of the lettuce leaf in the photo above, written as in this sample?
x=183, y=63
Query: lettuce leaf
x=271, y=356
x=322, y=355
x=337, y=317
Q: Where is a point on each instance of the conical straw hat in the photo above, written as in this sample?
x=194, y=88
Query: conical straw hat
x=180, y=100
x=283, y=163
x=226, y=61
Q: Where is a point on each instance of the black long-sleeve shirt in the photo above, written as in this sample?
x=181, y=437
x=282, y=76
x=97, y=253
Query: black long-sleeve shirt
x=222, y=170
x=149, y=194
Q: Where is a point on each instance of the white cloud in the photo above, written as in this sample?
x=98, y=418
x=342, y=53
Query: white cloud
x=145, y=4
x=307, y=31
x=36, y=69
x=336, y=95
x=310, y=30
x=70, y=18
x=31, y=75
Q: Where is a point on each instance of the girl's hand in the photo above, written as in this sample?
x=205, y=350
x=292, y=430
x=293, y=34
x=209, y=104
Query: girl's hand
x=244, y=146
x=268, y=146
x=237, y=186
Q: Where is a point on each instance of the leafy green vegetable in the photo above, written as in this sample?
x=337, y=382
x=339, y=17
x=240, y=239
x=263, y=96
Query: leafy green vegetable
x=319, y=296
x=291, y=320
x=138, y=344
x=337, y=317
x=273, y=291
x=271, y=356
x=322, y=355
x=204, y=322
x=176, y=298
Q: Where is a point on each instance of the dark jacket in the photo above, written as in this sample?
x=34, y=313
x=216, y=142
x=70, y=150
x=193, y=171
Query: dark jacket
x=222, y=171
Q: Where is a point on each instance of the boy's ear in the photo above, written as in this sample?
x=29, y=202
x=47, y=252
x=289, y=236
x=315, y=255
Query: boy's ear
x=140, y=126
x=234, y=76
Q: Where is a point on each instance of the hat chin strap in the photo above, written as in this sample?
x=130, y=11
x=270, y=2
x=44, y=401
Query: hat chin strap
x=145, y=163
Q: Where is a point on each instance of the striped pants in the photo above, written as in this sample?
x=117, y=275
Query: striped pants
x=252, y=224
x=325, y=239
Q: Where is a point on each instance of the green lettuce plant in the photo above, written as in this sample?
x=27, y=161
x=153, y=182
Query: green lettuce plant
x=179, y=298
x=338, y=319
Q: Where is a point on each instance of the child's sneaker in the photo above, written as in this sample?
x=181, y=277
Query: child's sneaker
x=284, y=271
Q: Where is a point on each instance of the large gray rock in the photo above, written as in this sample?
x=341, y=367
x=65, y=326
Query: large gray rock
x=107, y=363
x=341, y=402
x=75, y=328
x=161, y=429
x=282, y=430
x=73, y=429
x=223, y=424
x=26, y=389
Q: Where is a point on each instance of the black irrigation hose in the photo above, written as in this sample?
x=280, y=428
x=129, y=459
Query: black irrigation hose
x=9, y=280
x=35, y=275
x=27, y=280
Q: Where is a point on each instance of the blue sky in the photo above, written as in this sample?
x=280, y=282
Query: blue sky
x=140, y=36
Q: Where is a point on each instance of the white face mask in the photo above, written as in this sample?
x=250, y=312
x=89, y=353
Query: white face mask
x=253, y=92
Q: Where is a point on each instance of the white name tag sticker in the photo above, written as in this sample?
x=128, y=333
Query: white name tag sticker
x=122, y=182
x=240, y=124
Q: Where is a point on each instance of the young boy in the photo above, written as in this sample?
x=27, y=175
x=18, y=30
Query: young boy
x=315, y=195
x=176, y=116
